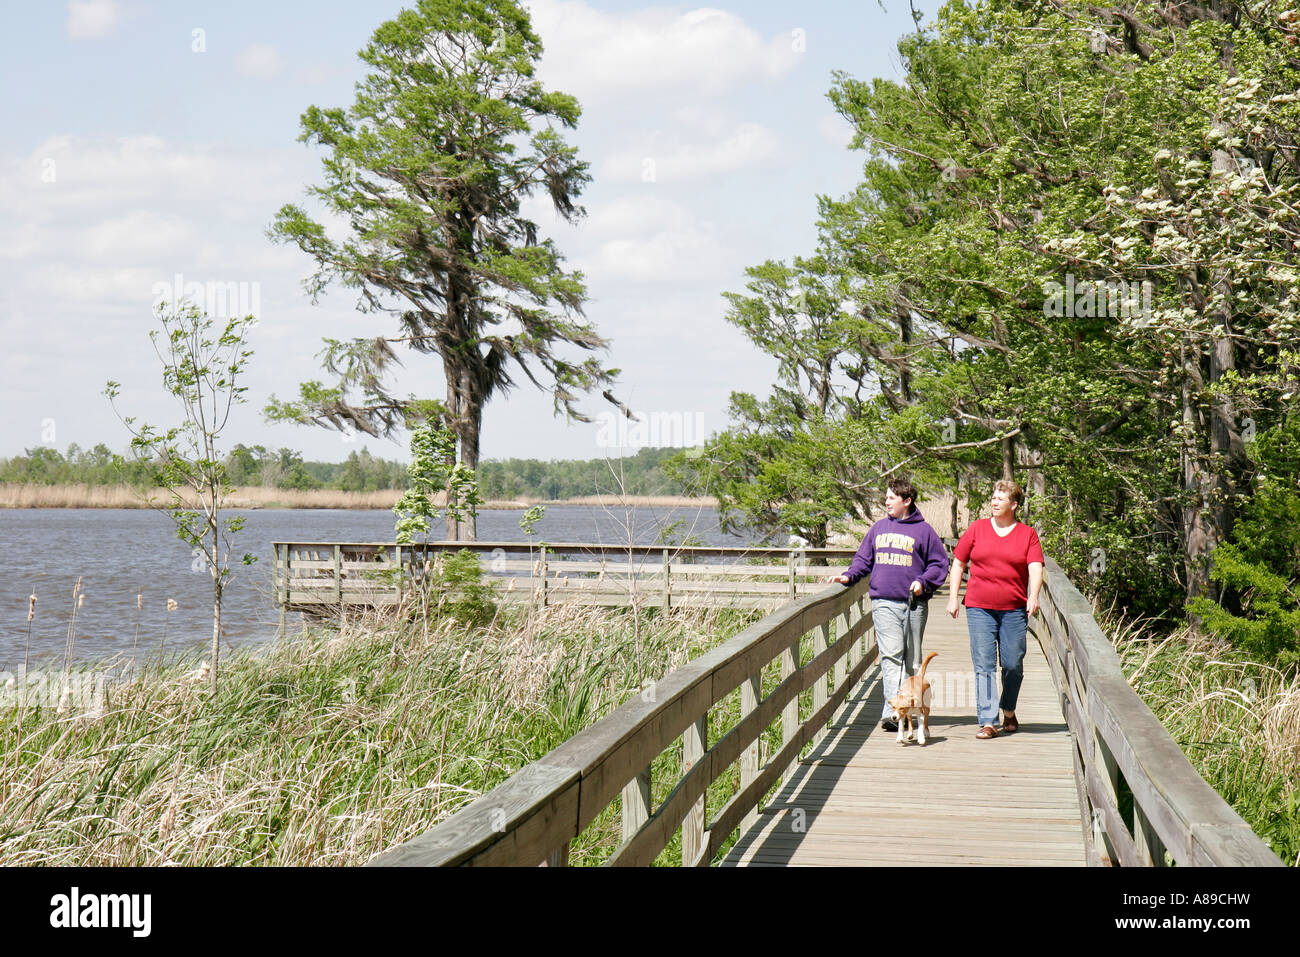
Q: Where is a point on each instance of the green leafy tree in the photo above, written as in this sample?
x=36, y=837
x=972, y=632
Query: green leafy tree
x=434, y=470
x=448, y=134
x=202, y=365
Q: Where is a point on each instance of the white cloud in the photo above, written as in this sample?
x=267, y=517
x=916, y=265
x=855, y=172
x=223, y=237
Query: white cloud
x=598, y=56
x=640, y=237
x=633, y=216
x=836, y=130
x=109, y=177
x=689, y=252
x=260, y=61
x=748, y=145
x=91, y=18
x=140, y=234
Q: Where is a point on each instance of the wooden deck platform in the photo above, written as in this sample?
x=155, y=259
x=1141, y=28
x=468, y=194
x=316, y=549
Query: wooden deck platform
x=860, y=798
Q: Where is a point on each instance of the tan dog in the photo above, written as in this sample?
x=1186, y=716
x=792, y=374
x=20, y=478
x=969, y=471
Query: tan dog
x=913, y=697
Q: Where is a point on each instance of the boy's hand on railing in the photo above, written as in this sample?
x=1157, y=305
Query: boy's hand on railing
x=841, y=579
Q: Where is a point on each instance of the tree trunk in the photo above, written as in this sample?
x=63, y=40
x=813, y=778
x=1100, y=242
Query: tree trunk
x=213, y=522
x=465, y=419
x=1197, y=535
x=1226, y=448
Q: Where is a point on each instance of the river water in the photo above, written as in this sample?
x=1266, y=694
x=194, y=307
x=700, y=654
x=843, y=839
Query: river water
x=121, y=553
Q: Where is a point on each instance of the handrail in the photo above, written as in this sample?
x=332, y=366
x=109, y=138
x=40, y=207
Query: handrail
x=531, y=818
x=311, y=576
x=750, y=551
x=1118, y=740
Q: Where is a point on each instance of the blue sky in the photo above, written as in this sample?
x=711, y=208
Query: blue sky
x=145, y=140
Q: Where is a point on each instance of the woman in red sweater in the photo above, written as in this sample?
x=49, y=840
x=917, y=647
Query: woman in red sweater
x=1006, y=572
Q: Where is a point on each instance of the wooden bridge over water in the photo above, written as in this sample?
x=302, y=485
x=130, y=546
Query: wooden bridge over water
x=1092, y=777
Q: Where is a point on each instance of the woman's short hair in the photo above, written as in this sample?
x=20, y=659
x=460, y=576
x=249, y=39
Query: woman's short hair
x=1014, y=492
x=903, y=489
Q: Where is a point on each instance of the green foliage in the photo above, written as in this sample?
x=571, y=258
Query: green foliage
x=201, y=368
x=97, y=466
x=430, y=166
x=642, y=473
x=530, y=519
x=671, y=534
x=455, y=588
x=963, y=315
x=434, y=469
x=1258, y=609
x=1269, y=627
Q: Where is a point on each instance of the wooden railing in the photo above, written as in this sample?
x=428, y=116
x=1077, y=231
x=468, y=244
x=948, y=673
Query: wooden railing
x=320, y=575
x=532, y=817
x=1121, y=748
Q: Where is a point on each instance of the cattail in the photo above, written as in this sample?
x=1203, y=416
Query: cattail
x=81, y=600
x=139, y=602
x=31, y=606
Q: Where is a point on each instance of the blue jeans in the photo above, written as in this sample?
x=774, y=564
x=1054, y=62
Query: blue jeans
x=996, y=635
x=887, y=615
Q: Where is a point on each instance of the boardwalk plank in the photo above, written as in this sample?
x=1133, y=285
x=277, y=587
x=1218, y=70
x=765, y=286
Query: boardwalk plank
x=859, y=798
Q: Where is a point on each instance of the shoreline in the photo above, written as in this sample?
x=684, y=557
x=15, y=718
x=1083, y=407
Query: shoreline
x=252, y=497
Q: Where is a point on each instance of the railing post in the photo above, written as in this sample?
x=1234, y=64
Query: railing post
x=750, y=689
x=790, y=713
x=558, y=857
x=1108, y=775
x=282, y=554
x=789, y=564
x=544, y=575
x=338, y=575
x=636, y=803
x=821, y=641
x=694, y=743
x=401, y=572
x=667, y=583
x=1150, y=849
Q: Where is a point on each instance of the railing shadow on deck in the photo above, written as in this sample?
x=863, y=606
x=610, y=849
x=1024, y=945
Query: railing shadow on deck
x=821, y=769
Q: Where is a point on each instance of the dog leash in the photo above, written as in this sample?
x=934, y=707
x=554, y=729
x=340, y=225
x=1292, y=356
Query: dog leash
x=907, y=630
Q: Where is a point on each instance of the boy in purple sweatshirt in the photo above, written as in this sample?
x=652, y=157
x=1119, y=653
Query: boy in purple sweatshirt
x=903, y=556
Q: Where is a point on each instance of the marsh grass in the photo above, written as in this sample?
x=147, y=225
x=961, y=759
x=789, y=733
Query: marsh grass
x=336, y=744
x=1237, y=720
x=254, y=496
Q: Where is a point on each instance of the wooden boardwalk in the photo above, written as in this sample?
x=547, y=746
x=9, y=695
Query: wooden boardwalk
x=861, y=798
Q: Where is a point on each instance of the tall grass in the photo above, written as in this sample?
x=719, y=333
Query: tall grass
x=333, y=745
x=1237, y=720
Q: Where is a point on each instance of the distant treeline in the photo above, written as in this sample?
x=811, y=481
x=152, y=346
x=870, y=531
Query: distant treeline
x=284, y=468
x=256, y=465
x=638, y=474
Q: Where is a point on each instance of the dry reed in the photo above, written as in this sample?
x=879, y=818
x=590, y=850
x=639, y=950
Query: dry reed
x=243, y=497
x=325, y=749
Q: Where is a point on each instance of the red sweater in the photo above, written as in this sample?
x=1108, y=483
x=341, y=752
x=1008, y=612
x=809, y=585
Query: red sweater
x=999, y=567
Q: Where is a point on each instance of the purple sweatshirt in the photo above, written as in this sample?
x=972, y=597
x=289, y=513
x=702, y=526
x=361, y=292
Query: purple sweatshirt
x=897, y=552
